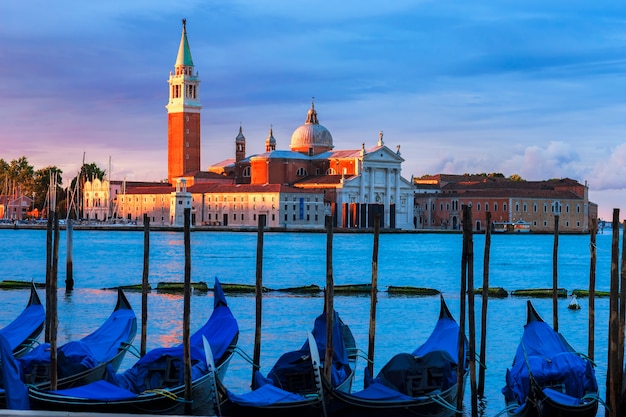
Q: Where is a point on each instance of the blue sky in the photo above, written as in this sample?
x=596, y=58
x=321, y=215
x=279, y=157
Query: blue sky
x=531, y=88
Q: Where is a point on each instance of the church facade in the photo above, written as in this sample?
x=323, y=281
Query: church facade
x=292, y=188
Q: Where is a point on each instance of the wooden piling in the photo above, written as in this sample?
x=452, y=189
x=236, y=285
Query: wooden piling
x=471, y=313
x=482, y=366
x=258, y=291
x=460, y=374
x=592, y=288
x=48, y=260
x=54, y=316
x=622, y=322
x=69, y=263
x=187, y=313
x=612, y=371
x=373, y=296
x=555, y=276
x=145, y=284
x=329, y=299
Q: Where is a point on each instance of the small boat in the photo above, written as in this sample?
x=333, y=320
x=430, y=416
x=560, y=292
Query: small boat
x=155, y=384
x=82, y=361
x=295, y=385
x=548, y=377
x=22, y=333
x=421, y=383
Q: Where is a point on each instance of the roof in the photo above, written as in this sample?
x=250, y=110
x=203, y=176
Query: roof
x=184, y=53
x=243, y=188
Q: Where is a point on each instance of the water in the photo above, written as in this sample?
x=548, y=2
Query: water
x=105, y=259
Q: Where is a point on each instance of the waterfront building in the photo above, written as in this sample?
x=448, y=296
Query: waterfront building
x=226, y=205
x=97, y=199
x=357, y=183
x=534, y=203
x=183, y=114
x=293, y=188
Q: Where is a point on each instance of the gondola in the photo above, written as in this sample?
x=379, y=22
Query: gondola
x=548, y=377
x=421, y=383
x=155, y=383
x=22, y=333
x=295, y=385
x=82, y=361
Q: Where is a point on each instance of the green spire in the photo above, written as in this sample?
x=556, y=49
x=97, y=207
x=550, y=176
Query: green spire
x=184, y=54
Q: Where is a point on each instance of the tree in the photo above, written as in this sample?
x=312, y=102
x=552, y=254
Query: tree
x=41, y=183
x=516, y=177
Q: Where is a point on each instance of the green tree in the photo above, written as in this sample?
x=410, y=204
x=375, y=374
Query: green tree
x=516, y=177
x=41, y=183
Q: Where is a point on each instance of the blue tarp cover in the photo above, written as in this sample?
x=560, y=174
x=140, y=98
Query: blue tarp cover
x=24, y=325
x=99, y=390
x=149, y=372
x=264, y=396
x=552, y=363
x=14, y=389
x=381, y=392
x=98, y=347
x=268, y=391
x=434, y=363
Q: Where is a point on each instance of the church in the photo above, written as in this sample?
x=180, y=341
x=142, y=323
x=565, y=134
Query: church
x=293, y=188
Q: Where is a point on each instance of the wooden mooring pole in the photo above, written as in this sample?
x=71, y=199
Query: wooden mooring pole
x=145, y=284
x=613, y=372
x=555, y=276
x=482, y=366
x=373, y=297
x=460, y=373
x=187, y=313
x=329, y=299
x=256, y=357
x=49, y=229
x=592, y=289
x=69, y=263
x=53, y=294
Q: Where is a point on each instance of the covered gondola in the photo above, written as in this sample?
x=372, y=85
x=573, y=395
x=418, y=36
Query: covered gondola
x=548, y=377
x=81, y=361
x=421, y=383
x=23, y=332
x=155, y=383
x=295, y=386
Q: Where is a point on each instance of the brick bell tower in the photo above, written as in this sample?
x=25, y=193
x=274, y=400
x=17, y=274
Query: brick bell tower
x=183, y=115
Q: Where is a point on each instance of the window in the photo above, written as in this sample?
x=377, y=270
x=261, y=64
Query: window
x=301, y=172
x=545, y=207
x=486, y=206
x=478, y=207
x=246, y=172
x=516, y=206
x=273, y=217
x=577, y=208
x=331, y=171
x=495, y=207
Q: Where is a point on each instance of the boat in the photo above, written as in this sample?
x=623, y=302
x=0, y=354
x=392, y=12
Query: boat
x=155, y=384
x=22, y=333
x=295, y=384
x=421, y=383
x=81, y=361
x=548, y=377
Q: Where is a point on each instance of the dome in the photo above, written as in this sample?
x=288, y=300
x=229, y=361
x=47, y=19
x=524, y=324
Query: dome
x=311, y=136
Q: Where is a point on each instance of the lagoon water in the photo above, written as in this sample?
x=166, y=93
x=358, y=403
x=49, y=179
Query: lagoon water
x=104, y=259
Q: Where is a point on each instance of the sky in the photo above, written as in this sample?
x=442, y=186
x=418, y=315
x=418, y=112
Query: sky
x=530, y=87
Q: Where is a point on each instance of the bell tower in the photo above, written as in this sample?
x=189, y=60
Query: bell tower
x=183, y=115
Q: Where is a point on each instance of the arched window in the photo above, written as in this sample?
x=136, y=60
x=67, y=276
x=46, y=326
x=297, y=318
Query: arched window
x=331, y=171
x=301, y=172
x=246, y=172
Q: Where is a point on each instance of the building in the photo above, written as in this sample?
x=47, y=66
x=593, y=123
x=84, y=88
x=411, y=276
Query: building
x=183, y=115
x=439, y=201
x=357, y=183
x=293, y=188
x=15, y=207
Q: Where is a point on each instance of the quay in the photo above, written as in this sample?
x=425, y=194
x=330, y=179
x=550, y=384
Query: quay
x=44, y=413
